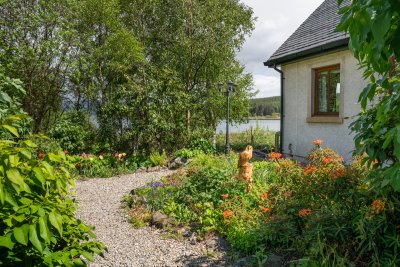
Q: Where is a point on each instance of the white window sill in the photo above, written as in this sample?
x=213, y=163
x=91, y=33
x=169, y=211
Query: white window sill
x=325, y=119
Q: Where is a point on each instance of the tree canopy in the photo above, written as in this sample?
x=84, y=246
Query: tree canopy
x=145, y=72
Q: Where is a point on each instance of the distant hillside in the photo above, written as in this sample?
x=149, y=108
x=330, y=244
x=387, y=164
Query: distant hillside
x=265, y=106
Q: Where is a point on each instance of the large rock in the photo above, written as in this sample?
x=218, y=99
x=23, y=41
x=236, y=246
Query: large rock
x=160, y=220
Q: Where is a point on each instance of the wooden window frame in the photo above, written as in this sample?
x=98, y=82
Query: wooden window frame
x=328, y=87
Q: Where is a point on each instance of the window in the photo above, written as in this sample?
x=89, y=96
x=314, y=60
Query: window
x=327, y=91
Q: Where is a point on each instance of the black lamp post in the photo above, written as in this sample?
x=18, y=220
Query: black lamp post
x=231, y=88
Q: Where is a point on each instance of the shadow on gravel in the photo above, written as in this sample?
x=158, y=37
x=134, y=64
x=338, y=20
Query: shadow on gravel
x=201, y=261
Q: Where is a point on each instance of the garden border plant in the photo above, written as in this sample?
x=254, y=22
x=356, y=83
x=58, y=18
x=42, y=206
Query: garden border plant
x=37, y=222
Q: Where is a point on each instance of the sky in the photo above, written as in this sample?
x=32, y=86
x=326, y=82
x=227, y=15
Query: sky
x=276, y=21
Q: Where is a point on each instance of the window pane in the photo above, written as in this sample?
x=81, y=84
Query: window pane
x=334, y=97
x=322, y=92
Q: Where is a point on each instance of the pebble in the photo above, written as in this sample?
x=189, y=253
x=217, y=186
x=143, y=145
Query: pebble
x=100, y=206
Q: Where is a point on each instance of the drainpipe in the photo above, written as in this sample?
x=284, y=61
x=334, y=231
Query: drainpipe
x=281, y=128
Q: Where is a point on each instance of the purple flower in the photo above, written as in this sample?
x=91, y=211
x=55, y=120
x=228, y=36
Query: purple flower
x=156, y=185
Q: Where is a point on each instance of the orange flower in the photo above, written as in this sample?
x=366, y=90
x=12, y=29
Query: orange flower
x=328, y=160
x=264, y=195
x=304, y=212
x=310, y=169
x=275, y=155
x=225, y=195
x=227, y=214
x=317, y=142
x=337, y=173
x=266, y=210
x=378, y=206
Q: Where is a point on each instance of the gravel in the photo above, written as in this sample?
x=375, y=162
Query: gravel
x=100, y=206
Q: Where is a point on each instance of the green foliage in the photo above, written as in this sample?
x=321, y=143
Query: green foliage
x=38, y=226
x=323, y=214
x=158, y=159
x=106, y=165
x=374, y=39
x=258, y=137
x=267, y=106
x=187, y=153
x=74, y=132
x=202, y=145
x=10, y=105
x=115, y=62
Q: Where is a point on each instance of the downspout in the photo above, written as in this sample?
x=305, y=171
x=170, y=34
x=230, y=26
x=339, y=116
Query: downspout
x=282, y=108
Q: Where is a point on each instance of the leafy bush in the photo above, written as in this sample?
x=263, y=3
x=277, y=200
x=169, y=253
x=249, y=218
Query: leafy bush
x=187, y=153
x=74, y=132
x=203, y=145
x=37, y=221
x=158, y=159
x=323, y=214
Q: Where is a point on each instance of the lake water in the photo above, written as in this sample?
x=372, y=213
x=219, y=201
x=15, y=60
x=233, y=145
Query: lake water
x=272, y=125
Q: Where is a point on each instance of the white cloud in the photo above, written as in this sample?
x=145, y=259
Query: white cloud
x=266, y=85
x=276, y=21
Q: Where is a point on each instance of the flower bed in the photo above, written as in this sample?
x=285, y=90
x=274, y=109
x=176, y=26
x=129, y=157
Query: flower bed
x=324, y=213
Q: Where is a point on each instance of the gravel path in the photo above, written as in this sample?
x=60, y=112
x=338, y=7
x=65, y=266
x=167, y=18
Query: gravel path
x=100, y=201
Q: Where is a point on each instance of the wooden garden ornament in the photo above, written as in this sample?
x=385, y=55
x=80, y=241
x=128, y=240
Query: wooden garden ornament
x=245, y=167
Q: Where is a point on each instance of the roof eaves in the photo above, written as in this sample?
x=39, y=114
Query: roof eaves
x=328, y=46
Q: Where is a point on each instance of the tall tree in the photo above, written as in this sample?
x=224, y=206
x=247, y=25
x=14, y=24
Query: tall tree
x=34, y=46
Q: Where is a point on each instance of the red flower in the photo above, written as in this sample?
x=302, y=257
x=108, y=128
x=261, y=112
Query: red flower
x=317, y=142
x=265, y=209
x=40, y=155
x=304, y=212
x=66, y=152
x=275, y=155
x=78, y=165
x=225, y=195
x=227, y=214
x=264, y=195
x=83, y=155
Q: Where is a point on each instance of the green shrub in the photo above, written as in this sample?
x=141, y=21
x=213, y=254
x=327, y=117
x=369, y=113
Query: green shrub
x=203, y=145
x=74, y=132
x=158, y=159
x=322, y=214
x=37, y=221
x=186, y=153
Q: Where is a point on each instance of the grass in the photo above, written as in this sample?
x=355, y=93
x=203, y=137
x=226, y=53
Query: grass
x=259, y=138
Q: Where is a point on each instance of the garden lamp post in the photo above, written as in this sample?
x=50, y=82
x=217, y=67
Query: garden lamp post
x=231, y=88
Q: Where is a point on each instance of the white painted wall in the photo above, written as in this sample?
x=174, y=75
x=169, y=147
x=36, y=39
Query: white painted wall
x=298, y=86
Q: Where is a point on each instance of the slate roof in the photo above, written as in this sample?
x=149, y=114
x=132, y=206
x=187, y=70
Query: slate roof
x=315, y=35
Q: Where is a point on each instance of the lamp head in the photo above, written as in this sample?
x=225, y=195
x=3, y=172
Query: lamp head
x=232, y=86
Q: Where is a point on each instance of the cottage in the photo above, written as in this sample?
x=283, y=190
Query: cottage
x=320, y=84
